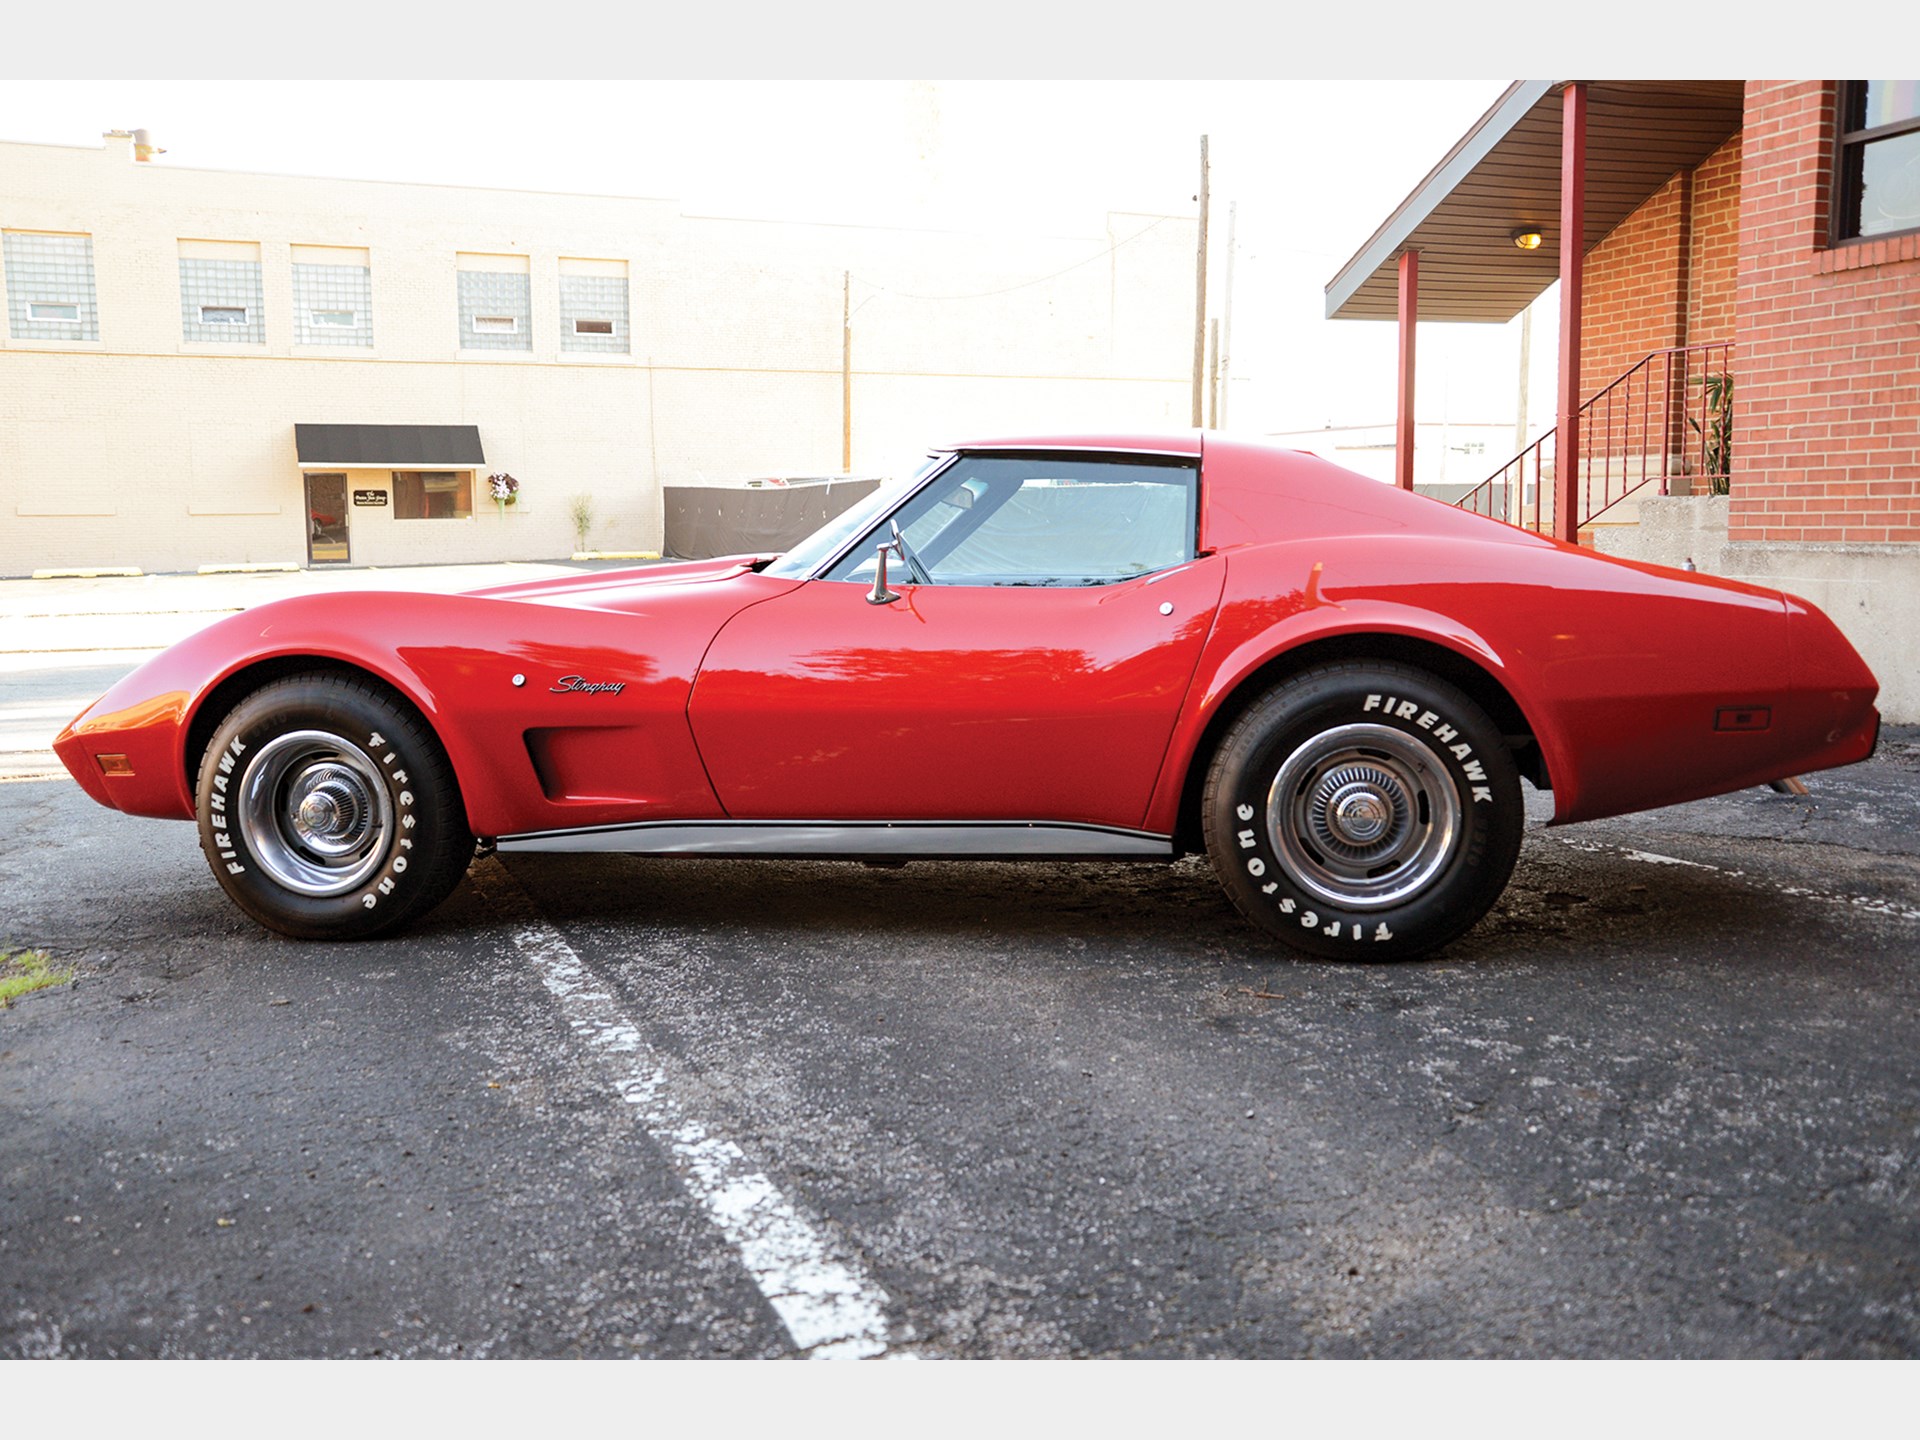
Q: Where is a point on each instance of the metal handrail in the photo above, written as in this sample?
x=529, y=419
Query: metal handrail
x=1675, y=403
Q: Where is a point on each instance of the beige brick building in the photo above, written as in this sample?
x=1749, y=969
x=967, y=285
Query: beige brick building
x=168, y=328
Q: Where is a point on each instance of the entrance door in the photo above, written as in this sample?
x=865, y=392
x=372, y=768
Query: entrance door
x=953, y=703
x=326, y=519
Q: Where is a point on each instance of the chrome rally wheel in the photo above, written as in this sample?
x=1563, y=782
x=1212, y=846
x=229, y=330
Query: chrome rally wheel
x=328, y=809
x=315, y=811
x=1364, y=811
x=1363, y=815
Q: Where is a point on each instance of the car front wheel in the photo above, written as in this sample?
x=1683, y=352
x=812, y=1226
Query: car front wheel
x=1363, y=812
x=328, y=811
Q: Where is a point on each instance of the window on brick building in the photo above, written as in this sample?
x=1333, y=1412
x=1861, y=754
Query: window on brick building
x=50, y=286
x=593, y=305
x=222, y=295
x=496, y=302
x=432, y=494
x=1877, y=179
x=332, y=296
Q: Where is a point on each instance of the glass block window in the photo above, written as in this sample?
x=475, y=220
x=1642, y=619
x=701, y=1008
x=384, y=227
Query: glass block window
x=221, y=300
x=593, y=313
x=496, y=311
x=332, y=305
x=50, y=287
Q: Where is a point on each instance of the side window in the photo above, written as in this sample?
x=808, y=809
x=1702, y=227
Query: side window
x=1042, y=521
x=1878, y=158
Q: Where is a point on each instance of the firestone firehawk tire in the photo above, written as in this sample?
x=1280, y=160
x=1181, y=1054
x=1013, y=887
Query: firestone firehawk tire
x=1363, y=812
x=328, y=812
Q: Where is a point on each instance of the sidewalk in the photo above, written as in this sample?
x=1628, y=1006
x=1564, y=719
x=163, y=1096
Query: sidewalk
x=56, y=623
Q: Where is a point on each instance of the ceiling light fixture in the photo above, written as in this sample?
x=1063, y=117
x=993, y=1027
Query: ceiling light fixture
x=1527, y=238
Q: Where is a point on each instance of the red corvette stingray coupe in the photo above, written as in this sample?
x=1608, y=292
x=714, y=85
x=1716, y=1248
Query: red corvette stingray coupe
x=1084, y=648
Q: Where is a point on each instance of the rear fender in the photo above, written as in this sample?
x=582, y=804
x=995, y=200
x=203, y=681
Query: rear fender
x=1252, y=649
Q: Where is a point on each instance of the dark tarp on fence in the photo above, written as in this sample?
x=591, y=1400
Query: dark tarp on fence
x=704, y=521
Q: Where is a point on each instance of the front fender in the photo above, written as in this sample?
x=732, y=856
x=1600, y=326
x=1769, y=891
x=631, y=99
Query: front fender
x=594, y=731
x=149, y=713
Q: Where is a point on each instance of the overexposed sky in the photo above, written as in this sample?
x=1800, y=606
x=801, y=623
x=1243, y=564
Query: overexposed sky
x=1056, y=153
x=1069, y=111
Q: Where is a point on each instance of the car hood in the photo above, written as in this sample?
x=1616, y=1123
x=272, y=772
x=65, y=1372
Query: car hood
x=617, y=589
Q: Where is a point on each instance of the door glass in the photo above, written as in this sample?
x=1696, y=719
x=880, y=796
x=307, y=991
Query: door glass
x=1044, y=521
x=327, y=519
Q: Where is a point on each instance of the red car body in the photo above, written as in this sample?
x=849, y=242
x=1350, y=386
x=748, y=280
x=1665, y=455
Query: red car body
x=711, y=692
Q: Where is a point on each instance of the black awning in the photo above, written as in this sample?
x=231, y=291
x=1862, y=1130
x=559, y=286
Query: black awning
x=390, y=447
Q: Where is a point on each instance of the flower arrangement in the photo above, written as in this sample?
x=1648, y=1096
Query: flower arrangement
x=503, y=488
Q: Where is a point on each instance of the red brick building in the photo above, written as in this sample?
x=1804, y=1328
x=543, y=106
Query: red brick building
x=1740, y=326
x=1828, y=332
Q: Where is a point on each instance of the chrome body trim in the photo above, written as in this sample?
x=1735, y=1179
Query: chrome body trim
x=853, y=839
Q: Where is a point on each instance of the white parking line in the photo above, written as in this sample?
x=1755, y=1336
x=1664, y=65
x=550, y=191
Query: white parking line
x=832, y=1310
x=1869, y=903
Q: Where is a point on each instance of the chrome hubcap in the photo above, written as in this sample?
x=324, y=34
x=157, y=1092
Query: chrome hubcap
x=333, y=817
x=315, y=812
x=1363, y=816
x=1356, y=806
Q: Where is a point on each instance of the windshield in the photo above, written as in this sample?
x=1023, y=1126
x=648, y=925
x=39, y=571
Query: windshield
x=806, y=557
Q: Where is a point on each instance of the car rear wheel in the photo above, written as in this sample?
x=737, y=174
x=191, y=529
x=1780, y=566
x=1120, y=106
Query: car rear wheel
x=1363, y=812
x=328, y=811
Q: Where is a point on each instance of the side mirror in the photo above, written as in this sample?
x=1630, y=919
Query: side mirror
x=880, y=594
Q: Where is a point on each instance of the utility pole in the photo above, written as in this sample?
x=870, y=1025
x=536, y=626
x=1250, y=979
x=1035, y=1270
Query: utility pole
x=1200, y=302
x=1225, y=357
x=846, y=372
x=1213, y=377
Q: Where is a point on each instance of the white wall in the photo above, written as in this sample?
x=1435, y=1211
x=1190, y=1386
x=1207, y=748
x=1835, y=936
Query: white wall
x=145, y=449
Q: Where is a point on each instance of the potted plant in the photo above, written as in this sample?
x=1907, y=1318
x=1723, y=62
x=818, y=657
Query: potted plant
x=1716, y=437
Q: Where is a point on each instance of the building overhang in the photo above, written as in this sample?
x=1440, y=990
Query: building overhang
x=388, y=447
x=1504, y=175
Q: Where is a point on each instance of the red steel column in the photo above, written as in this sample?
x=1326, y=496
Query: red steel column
x=1403, y=417
x=1573, y=229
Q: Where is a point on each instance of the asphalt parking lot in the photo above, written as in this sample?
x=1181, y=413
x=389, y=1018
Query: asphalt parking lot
x=1663, y=1101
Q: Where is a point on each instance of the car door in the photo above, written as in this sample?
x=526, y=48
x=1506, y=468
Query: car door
x=1030, y=669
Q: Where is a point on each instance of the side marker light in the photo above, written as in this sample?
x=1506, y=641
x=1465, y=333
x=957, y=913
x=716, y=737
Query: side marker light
x=1748, y=717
